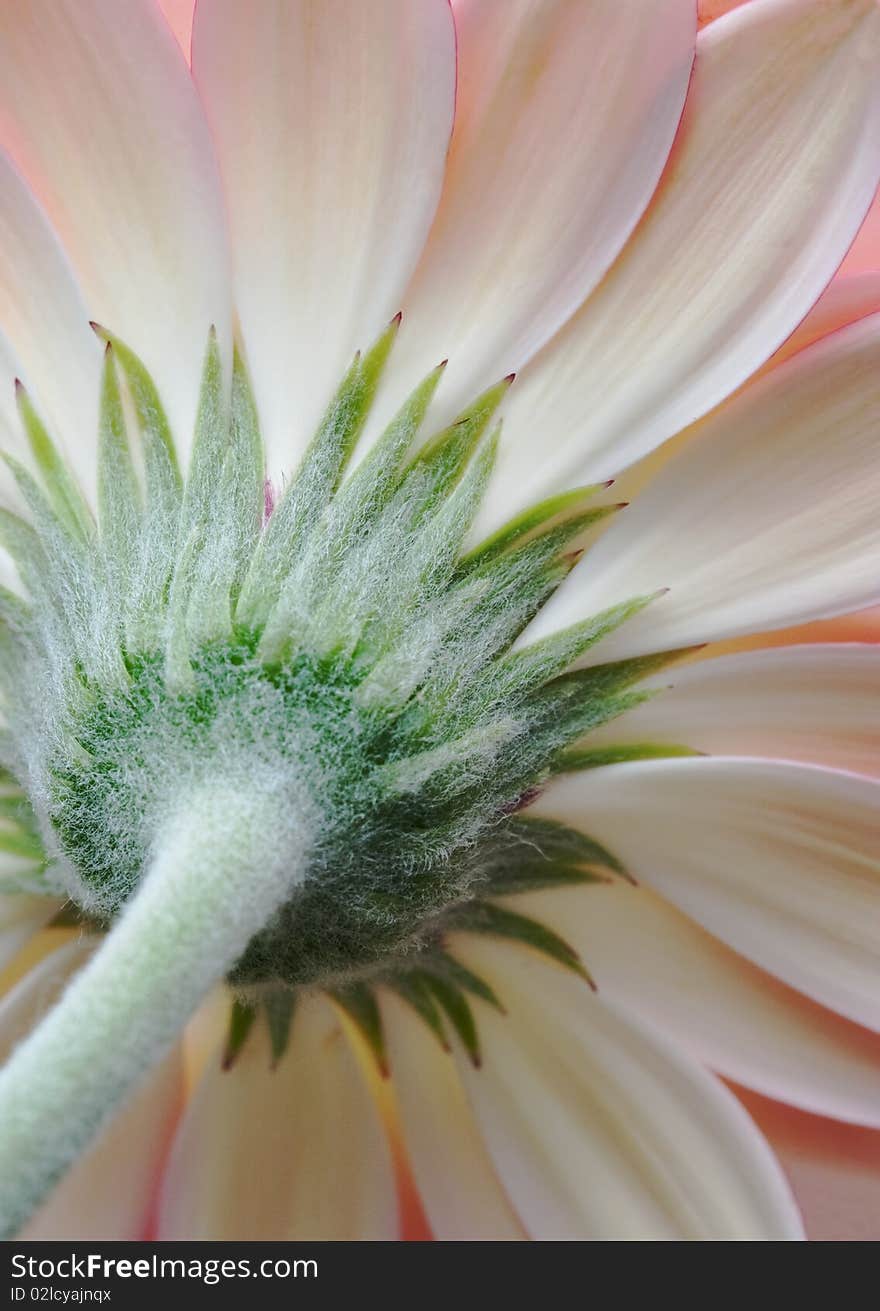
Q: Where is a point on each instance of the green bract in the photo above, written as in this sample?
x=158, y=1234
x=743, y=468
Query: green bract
x=344, y=646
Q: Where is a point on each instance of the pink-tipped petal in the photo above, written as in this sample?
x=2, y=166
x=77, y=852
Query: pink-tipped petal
x=295, y=1152
x=458, y=1186
x=773, y=169
x=179, y=15
x=332, y=122
x=765, y=517
x=714, y=1004
x=565, y=114
x=45, y=339
x=98, y=111
x=834, y=1170
x=812, y=703
x=779, y=860
x=601, y=1129
x=107, y=1196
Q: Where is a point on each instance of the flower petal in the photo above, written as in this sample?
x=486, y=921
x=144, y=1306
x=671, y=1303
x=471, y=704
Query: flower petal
x=766, y=518
x=45, y=339
x=774, y=167
x=714, y=1004
x=35, y=992
x=21, y=916
x=565, y=114
x=816, y=704
x=332, y=122
x=108, y=1194
x=458, y=1187
x=98, y=111
x=179, y=15
x=600, y=1130
x=843, y=301
x=864, y=253
x=834, y=1170
x=294, y=1153
x=781, y=861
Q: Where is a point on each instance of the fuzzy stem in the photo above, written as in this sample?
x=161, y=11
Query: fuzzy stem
x=222, y=866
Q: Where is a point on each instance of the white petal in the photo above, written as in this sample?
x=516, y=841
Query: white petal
x=99, y=112
x=21, y=916
x=295, y=1153
x=816, y=704
x=332, y=122
x=774, y=167
x=108, y=1195
x=457, y=1185
x=25, y=1004
x=600, y=1130
x=844, y=301
x=766, y=518
x=781, y=861
x=714, y=1004
x=565, y=113
x=45, y=338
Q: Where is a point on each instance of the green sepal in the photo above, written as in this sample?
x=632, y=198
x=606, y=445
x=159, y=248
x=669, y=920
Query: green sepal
x=483, y=613
x=359, y=1002
x=349, y=623
x=279, y=1006
x=547, y=516
x=525, y=854
x=366, y=491
x=225, y=525
x=160, y=457
x=499, y=922
x=209, y=441
x=601, y=680
x=22, y=543
x=586, y=757
x=528, y=668
x=34, y=546
x=298, y=511
x=441, y=965
x=415, y=989
x=555, y=842
x=542, y=548
x=530, y=876
x=441, y=461
x=241, y=1019
x=64, y=495
x=119, y=502
x=153, y=553
x=178, y=670
x=63, y=577
x=15, y=613
x=458, y=1011
x=557, y=717
x=483, y=609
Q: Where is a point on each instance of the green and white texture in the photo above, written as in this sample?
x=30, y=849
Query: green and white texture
x=291, y=745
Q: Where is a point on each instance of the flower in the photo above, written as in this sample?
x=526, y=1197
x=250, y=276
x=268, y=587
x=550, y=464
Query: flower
x=380, y=721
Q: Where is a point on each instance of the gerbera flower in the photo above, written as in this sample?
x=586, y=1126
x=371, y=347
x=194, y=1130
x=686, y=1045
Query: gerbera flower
x=330, y=696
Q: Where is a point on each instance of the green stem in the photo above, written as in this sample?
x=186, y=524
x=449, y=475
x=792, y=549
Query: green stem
x=223, y=865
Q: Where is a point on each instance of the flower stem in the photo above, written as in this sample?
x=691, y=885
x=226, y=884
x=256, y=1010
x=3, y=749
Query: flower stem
x=223, y=865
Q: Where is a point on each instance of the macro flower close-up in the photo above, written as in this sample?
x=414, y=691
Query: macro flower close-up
x=418, y=420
